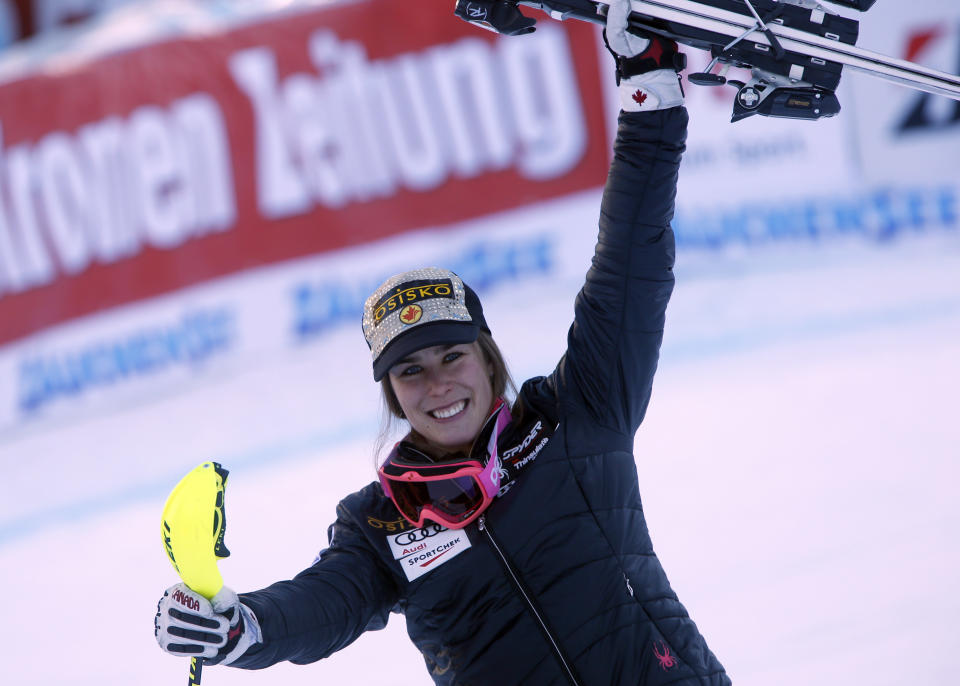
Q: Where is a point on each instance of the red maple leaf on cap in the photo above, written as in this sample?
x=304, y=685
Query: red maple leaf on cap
x=409, y=314
x=640, y=97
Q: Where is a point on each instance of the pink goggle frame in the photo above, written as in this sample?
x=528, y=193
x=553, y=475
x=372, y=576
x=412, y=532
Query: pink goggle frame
x=451, y=494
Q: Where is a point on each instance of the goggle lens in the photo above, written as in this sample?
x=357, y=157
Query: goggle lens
x=453, y=497
x=451, y=492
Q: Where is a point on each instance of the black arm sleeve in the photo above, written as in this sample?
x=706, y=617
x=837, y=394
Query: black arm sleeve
x=614, y=342
x=325, y=607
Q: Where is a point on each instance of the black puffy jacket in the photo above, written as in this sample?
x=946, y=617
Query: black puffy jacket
x=557, y=583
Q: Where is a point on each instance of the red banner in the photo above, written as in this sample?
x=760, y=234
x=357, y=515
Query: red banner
x=157, y=168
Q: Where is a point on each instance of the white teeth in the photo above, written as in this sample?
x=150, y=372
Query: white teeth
x=456, y=408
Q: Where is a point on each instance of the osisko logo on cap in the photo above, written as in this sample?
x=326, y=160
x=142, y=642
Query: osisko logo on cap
x=405, y=301
x=409, y=293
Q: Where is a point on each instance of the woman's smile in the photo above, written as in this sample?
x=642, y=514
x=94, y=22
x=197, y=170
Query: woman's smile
x=450, y=411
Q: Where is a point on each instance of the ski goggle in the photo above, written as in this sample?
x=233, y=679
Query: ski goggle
x=450, y=493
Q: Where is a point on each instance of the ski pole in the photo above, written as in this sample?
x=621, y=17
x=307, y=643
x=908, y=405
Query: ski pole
x=192, y=545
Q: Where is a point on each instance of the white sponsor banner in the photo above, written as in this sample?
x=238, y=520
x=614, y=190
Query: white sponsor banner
x=903, y=136
x=207, y=333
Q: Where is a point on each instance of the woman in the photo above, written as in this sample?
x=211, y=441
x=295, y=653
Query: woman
x=511, y=537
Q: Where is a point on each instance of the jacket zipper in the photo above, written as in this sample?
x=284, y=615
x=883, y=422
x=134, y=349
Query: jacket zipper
x=482, y=525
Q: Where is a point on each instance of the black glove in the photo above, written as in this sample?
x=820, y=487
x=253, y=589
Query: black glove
x=220, y=630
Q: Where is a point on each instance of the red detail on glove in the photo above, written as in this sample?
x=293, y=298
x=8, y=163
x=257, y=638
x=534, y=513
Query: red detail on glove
x=640, y=97
x=654, y=51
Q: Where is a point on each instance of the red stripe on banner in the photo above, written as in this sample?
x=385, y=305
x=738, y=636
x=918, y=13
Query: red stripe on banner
x=178, y=162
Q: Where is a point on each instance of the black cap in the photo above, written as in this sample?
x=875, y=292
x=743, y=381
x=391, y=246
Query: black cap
x=418, y=309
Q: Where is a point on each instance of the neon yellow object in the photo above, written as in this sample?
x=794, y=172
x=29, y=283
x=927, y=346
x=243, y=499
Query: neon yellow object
x=194, y=522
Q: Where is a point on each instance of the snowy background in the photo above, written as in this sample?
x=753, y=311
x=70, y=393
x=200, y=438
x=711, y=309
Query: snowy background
x=799, y=462
x=799, y=465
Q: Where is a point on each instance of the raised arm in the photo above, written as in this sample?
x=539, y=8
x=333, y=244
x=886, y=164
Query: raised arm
x=614, y=342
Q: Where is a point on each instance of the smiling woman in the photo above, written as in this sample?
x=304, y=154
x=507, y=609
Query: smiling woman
x=520, y=553
x=446, y=393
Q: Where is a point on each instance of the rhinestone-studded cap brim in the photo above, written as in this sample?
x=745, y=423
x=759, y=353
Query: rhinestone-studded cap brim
x=417, y=309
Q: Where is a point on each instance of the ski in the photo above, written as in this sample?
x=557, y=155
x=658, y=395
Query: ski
x=795, y=49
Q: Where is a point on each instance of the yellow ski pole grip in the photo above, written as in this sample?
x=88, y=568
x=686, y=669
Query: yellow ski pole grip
x=192, y=528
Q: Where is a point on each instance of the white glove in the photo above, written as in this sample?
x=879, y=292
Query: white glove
x=219, y=630
x=621, y=42
x=648, y=65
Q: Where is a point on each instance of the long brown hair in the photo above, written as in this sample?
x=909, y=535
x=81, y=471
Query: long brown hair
x=500, y=379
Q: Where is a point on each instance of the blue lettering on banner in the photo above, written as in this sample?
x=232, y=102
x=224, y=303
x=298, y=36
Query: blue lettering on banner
x=193, y=339
x=880, y=215
x=319, y=306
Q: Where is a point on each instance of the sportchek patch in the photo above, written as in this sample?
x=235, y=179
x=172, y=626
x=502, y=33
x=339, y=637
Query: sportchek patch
x=422, y=550
x=409, y=293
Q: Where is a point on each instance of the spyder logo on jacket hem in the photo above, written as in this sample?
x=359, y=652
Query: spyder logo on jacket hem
x=422, y=550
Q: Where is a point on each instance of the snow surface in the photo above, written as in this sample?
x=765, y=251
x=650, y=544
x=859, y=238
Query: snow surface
x=799, y=466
